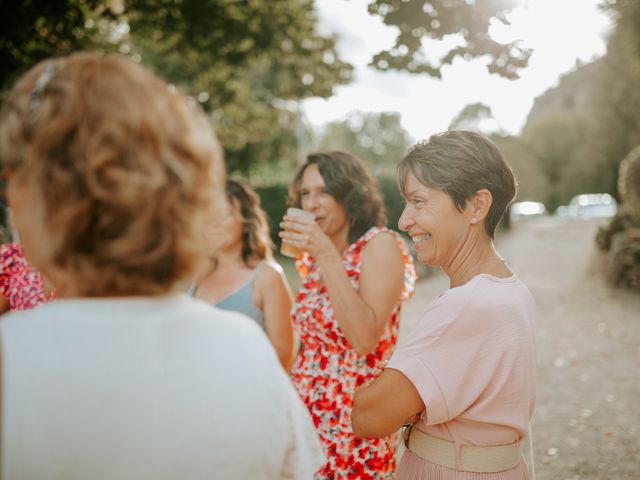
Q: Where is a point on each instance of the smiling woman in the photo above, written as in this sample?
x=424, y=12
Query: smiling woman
x=464, y=380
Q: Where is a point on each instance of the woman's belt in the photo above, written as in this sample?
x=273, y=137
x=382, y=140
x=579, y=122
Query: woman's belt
x=472, y=458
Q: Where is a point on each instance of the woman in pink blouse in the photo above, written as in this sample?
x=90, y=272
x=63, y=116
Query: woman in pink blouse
x=463, y=383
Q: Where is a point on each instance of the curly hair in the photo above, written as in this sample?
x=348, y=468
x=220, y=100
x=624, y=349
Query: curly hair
x=348, y=180
x=460, y=163
x=128, y=173
x=256, y=242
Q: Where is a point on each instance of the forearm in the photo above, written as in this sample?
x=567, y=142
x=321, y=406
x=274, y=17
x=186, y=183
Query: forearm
x=383, y=406
x=356, y=319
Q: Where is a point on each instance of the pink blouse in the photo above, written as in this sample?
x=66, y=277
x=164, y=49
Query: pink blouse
x=472, y=360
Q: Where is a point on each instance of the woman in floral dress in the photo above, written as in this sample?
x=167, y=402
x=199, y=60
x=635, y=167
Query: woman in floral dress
x=21, y=286
x=356, y=274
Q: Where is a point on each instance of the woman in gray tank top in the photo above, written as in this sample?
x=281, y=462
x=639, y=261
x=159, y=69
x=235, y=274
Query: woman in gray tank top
x=245, y=278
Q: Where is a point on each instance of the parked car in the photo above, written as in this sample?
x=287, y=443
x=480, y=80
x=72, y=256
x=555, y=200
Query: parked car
x=526, y=209
x=592, y=205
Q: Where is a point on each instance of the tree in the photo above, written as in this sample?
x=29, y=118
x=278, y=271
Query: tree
x=532, y=182
x=247, y=63
x=616, y=102
x=378, y=138
x=554, y=142
x=475, y=116
x=436, y=19
x=37, y=29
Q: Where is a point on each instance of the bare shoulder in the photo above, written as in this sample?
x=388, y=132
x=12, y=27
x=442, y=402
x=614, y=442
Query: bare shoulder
x=384, y=243
x=271, y=271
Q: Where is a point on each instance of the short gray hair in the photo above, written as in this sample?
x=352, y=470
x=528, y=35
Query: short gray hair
x=460, y=163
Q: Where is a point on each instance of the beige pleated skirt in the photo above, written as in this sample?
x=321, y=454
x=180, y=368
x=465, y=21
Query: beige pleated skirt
x=412, y=467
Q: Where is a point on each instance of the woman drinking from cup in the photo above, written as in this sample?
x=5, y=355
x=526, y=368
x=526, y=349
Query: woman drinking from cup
x=356, y=274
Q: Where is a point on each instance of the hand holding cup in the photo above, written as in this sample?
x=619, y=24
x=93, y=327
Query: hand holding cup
x=291, y=247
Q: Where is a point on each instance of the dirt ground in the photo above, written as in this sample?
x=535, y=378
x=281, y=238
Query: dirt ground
x=587, y=421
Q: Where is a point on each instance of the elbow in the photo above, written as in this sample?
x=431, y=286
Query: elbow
x=363, y=428
x=359, y=424
x=363, y=421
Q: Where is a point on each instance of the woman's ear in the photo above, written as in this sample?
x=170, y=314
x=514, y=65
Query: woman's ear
x=478, y=206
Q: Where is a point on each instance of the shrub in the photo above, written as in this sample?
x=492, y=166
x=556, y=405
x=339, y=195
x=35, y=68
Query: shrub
x=621, y=237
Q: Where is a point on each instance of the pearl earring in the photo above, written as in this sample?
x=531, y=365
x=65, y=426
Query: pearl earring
x=474, y=219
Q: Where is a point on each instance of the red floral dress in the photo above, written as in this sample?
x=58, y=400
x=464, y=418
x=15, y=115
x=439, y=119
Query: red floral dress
x=20, y=283
x=327, y=370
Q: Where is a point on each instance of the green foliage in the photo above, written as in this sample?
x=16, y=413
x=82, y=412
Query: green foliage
x=629, y=181
x=435, y=19
x=273, y=200
x=378, y=138
x=624, y=259
x=532, y=182
x=246, y=62
x=37, y=29
x=555, y=142
x=471, y=117
x=392, y=200
x=621, y=237
x=616, y=103
x=578, y=132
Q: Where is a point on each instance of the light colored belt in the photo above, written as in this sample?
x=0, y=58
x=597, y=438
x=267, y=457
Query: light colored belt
x=472, y=459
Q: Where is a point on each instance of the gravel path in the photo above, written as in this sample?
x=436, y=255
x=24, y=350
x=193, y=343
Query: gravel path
x=587, y=422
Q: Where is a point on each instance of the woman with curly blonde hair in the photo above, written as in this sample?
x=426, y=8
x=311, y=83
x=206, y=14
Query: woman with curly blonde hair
x=113, y=179
x=244, y=277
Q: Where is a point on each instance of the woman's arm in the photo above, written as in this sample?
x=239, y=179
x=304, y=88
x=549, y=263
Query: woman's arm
x=4, y=304
x=362, y=314
x=383, y=406
x=273, y=296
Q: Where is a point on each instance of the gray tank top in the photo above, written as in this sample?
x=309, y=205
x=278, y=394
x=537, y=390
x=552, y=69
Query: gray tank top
x=241, y=300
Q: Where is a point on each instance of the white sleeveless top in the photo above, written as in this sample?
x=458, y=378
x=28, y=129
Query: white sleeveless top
x=147, y=388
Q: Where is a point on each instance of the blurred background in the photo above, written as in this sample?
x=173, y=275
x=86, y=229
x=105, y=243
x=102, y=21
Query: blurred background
x=555, y=83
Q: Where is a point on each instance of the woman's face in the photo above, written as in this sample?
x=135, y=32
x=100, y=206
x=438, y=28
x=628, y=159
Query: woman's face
x=331, y=216
x=433, y=222
x=228, y=234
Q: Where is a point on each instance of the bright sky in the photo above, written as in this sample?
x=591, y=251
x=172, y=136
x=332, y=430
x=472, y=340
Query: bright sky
x=559, y=31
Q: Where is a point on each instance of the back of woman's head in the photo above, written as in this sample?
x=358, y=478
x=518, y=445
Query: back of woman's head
x=460, y=163
x=127, y=173
x=256, y=242
x=347, y=179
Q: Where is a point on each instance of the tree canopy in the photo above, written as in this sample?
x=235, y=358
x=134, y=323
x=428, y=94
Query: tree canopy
x=247, y=63
x=578, y=132
x=378, y=138
x=436, y=19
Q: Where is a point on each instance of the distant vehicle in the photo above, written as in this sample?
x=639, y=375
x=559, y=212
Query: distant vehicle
x=592, y=205
x=526, y=209
x=562, y=211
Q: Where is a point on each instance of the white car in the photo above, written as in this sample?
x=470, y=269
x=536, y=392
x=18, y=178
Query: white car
x=592, y=205
x=526, y=209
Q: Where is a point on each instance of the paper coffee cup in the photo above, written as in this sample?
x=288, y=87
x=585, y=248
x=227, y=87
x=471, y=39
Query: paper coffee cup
x=286, y=248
